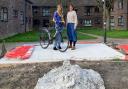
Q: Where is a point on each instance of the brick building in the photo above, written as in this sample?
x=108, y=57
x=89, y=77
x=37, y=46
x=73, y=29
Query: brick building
x=15, y=17
x=88, y=12
x=119, y=14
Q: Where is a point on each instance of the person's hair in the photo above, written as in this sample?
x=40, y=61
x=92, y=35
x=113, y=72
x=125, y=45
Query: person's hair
x=72, y=6
x=61, y=9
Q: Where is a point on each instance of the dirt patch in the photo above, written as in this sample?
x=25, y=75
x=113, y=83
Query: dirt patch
x=25, y=76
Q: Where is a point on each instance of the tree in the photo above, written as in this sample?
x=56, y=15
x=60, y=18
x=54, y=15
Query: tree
x=109, y=4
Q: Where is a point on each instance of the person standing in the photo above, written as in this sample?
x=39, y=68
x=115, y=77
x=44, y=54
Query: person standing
x=72, y=23
x=59, y=24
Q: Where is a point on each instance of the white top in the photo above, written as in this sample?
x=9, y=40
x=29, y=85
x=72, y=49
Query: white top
x=72, y=17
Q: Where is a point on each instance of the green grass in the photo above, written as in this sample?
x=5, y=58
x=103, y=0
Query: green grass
x=112, y=34
x=33, y=36
x=84, y=37
x=24, y=37
x=90, y=30
x=81, y=36
x=118, y=34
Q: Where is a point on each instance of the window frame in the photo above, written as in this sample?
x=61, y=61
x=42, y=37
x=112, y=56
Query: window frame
x=88, y=22
x=97, y=10
x=121, y=21
x=112, y=21
x=98, y=20
x=4, y=14
x=120, y=4
x=45, y=11
x=88, y=10
x=22, y=18
x=15, y=13
x=0, y=14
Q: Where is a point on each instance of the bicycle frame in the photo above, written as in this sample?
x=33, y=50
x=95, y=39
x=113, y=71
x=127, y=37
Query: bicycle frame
x=47, y=31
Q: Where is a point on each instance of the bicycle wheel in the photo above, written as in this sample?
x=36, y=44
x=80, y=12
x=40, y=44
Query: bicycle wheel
x=64, y=43
x=44, y=39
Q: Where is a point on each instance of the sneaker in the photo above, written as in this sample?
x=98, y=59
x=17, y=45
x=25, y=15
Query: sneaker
x=73, y=48
x=59, y=47
x=70, y=46
x=55, y=48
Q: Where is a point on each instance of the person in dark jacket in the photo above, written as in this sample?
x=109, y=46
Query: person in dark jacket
x=59, y=24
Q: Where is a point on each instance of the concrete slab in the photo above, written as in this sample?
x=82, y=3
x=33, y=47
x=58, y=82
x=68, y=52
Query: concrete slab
x=90, y=52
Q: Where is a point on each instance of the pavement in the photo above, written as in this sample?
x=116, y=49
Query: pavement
x=99, y=39
x=87, y=51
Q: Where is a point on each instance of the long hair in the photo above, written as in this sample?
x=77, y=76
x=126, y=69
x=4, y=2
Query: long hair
x=60, y=10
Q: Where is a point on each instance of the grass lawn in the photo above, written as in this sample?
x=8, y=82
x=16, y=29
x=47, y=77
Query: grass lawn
x=33, y=36
x=111, y=34
x=24, y=37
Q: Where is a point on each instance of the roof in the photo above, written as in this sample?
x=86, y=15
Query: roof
x=64, y=2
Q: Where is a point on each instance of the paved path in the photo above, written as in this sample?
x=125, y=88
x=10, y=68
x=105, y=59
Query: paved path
x=101, y=39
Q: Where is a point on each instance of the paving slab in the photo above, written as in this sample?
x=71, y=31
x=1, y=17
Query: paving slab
x=89, y=52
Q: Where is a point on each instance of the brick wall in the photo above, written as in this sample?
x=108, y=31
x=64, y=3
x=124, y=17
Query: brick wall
x=38, y=15
x=16, y=18
x=118, y=12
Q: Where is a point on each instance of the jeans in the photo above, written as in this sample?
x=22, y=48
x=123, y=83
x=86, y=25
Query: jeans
x=72, y=35
x=58, y=37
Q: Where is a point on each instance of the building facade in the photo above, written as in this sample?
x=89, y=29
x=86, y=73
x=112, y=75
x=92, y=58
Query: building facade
x=15, y=17
x=119, y=15
x=88, y=13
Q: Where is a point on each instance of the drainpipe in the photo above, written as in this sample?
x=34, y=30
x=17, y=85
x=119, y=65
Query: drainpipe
x=25, y=7
x=127, y=15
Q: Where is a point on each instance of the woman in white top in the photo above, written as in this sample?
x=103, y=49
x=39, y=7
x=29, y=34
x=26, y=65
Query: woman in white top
x=71, y=26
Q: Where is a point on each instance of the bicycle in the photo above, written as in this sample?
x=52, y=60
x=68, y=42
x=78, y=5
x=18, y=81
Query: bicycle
x=47, y=36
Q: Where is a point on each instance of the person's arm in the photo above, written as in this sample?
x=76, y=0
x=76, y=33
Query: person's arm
x=55, y=19
x=75, y=19
x=67, y=19
x=63, y=20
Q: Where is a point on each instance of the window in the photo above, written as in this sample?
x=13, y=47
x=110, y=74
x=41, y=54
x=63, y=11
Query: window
x=21, y=17
x=30, y=20
x=120, y=21
x=4, y=14
x=112, y=9
x=120, y=4
x=29, y=6
x=35, y=10
x=88, y=11
x=0, y=14
x=46, y=12
x=97, y=10
x=15, y=13
x=97, y=20
x=88, y=22
x=112, y=21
